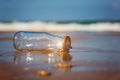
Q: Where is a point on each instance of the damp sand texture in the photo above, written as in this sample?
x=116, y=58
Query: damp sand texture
x=95, y=56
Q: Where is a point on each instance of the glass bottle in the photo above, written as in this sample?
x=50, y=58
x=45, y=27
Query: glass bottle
x=24, y=40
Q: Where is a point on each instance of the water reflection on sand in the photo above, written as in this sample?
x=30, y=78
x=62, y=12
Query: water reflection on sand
x=36, y=59
x=94, y=57
x=33, y=58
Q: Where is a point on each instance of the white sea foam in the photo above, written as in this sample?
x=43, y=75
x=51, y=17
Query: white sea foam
x=52, y=26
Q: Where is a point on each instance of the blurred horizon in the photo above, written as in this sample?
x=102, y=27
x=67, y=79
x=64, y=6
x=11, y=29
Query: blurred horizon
x=60, y=15
x=63, y=10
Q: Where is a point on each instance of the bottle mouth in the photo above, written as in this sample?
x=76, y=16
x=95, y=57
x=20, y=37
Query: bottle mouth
x=66, y=43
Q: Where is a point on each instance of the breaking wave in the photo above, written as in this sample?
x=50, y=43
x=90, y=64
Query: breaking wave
x=53, y=26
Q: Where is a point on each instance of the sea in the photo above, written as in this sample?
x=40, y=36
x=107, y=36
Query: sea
x=87, y=26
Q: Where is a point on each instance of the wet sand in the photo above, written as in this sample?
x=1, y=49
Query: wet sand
x=95, y=56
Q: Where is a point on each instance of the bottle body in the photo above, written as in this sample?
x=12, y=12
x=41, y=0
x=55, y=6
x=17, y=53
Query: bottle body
x=24, y=40
x=36, y=41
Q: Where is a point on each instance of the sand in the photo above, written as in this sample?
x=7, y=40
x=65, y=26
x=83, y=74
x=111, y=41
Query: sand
x=95, y=56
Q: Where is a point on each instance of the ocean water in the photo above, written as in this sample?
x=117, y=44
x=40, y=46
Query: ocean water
x=60, y=26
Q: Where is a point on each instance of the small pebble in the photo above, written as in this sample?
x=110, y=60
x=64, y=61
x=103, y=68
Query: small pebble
x=63, y=65
x=43, y=73
x=26, y=68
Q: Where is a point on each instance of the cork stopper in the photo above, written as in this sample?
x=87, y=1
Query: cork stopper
x=66, y=43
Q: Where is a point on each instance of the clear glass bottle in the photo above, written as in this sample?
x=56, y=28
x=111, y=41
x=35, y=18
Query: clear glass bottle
x=24, y=40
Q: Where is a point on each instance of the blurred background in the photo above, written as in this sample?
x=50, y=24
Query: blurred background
x=78, y=15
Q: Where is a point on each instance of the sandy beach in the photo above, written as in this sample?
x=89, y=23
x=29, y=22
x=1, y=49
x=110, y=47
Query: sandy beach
x=78, y=40
x=95, y=56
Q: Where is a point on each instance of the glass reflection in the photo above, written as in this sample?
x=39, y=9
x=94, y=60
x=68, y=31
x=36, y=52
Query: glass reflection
x=32, y=57
x=65, y=56
x=38, y=57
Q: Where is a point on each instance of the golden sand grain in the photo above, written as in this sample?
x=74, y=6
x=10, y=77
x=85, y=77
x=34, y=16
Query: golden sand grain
x=26, y=68
x=63, y=65
x=43, y=73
